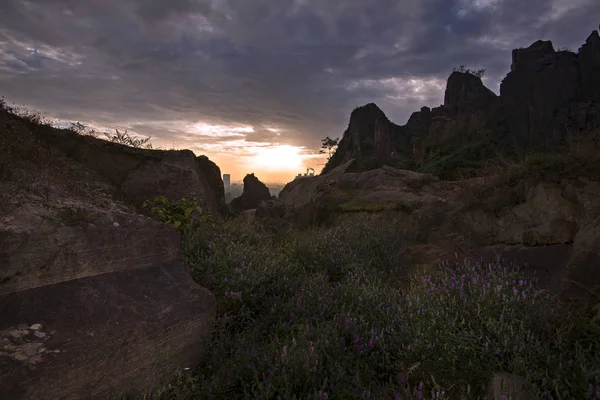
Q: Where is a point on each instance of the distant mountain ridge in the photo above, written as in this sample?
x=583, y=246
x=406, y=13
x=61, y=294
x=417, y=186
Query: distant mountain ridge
x=546, y=97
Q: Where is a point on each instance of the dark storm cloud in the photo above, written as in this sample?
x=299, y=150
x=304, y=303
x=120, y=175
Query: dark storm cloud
x=300, y=65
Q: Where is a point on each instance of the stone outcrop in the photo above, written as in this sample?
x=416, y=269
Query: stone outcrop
x=212, y=173
x=254, y=193
x=551, y=227
x=547, y=98
x=141, y=174
x=94, y=299
x=589, y=65
x=465, y=93
x=270, y=209
x=540, y=81
x=370, y=139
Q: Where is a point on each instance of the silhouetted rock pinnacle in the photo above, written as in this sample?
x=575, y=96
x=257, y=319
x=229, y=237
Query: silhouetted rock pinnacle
x=370, y=139
x=466, y=93
x=254, y=193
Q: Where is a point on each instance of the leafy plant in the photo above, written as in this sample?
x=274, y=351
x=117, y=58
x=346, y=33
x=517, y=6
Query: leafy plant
x=178, y=213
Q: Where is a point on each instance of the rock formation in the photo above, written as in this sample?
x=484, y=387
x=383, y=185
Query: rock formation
x=589, y=64
x=465, y=93
x=371, y=139
x=551, y=227
x=254, y=193
x=547, y=97
x=141, y=174
x=94, y=299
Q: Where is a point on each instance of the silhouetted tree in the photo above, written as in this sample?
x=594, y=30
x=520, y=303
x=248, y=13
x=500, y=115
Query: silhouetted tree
x=328, y=146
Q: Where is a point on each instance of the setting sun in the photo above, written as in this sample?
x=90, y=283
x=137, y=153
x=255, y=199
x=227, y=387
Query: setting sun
x=282, y=157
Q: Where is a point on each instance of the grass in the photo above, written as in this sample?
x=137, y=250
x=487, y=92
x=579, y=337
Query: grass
x=337, y=313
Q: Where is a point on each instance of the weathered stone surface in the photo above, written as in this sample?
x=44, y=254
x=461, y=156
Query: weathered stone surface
x=117, y=332
x=96, y=291
x=254, y=193
x=43, y=245
x=213, y=176
x=175, y=174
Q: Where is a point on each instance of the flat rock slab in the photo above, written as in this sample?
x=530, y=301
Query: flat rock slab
x=104, y=335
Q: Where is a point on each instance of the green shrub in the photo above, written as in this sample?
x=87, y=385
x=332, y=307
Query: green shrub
x=180, y=214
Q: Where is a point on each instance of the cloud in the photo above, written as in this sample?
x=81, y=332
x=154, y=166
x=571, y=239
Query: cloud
x=160, y=66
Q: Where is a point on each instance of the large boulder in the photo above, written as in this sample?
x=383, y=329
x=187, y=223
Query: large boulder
x=271, y=209
x=254, y=193
x=94, y=298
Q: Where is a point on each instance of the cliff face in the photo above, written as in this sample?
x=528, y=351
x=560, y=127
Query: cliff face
x=372, y=140
x=546, y=97
x=465, y=93
x=212, y=173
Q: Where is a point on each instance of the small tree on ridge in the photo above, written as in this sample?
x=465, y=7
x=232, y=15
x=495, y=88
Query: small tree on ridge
x=328, y=146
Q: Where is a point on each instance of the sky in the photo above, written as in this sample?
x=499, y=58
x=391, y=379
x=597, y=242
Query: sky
x=255, y=84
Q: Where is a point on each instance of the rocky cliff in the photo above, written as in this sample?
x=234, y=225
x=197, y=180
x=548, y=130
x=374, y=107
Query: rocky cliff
x=94, y=298
x=141, y=174
x=371, y=139
x=548, y=97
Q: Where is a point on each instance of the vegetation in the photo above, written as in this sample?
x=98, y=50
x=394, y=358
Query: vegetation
x=328, y=146
x=337, y=313
x=478, y=72
x=126, y=139
x=38, y=119
x=181, y=213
